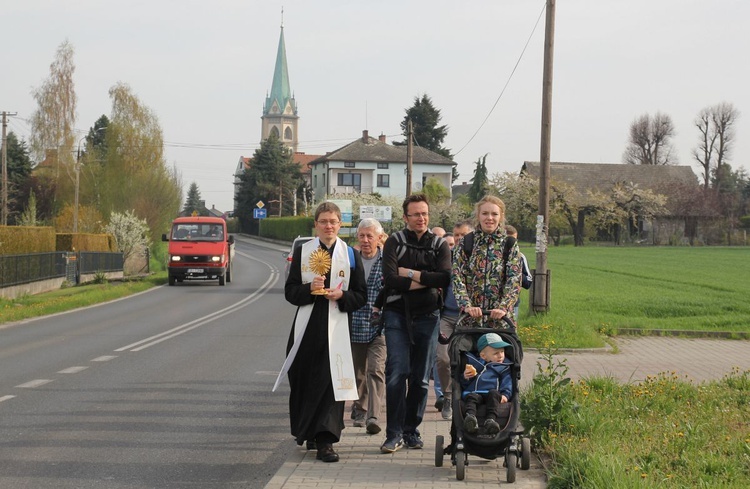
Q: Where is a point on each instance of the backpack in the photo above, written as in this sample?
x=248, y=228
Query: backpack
x=432, y=250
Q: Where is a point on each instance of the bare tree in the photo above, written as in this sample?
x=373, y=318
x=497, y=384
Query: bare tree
x=53, y=123
x=716, y=127
x=650, y=141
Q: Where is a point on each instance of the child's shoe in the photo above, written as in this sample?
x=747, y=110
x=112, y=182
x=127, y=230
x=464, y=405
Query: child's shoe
x=491, y=427
x=471, y=425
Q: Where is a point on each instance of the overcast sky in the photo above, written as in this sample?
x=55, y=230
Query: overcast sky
x=204, y=68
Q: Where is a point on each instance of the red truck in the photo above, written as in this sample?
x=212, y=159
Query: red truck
x=199, y=249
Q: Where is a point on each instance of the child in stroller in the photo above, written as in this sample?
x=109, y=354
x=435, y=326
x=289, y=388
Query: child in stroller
x=494, y=430
x=486, y=380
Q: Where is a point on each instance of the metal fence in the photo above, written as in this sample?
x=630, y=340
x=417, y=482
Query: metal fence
x=23, y=269
x=92, y=262
x=32, y=267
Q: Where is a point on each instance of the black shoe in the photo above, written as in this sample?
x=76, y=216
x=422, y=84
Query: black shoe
x=471, y=425
x=439, y=403
x=326, y=453
x=310, y=445
x=491, y=426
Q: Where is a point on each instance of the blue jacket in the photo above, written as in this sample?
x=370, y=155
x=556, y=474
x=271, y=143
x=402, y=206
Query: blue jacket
x=489, y=376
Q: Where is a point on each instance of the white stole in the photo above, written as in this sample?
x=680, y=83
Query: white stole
x=339, y=345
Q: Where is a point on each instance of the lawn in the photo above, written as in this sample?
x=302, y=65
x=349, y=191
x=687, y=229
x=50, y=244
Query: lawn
x=598, y=290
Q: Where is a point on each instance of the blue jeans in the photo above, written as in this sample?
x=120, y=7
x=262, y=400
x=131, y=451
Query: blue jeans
x=407, y=370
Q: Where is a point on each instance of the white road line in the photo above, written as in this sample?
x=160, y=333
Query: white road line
x=104, y=358
x=34, y=383
x=5, y=398
x=72, y=370
x=184, y=328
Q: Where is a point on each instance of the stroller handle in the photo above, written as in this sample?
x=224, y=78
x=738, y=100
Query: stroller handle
x=506, y=319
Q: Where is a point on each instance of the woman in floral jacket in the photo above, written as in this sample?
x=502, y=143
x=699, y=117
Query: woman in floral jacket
x=482, y=280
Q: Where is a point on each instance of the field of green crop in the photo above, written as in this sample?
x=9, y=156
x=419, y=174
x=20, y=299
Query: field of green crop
x=598, y=290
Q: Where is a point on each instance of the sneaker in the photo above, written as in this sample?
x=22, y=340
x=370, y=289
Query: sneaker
x=447, y=410
x=359, y=421
x=439, y=403
x=372, y=426
x=413, y=440
x=392, y=444
x=491, y=427
x=471, y=425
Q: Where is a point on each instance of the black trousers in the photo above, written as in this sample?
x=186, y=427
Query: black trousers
x=491, y=400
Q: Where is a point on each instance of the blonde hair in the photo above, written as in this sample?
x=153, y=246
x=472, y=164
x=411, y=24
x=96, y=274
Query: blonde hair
x=489, y=199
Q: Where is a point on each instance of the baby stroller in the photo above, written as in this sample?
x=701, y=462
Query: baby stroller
x=508, y=443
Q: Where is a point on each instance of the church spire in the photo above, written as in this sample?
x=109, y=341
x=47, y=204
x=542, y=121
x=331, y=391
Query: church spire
x=281, y=92
x=280, y=109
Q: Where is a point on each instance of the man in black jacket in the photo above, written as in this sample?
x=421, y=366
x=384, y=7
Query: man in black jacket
x=416, y=266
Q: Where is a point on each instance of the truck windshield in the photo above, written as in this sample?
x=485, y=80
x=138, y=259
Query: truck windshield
x=186, y=231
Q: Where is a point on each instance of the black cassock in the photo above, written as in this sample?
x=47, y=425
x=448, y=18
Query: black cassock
x=312, y=406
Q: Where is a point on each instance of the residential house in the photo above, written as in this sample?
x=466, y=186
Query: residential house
x=370, y=165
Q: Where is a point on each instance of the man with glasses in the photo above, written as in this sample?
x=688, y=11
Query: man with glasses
x=414, y=271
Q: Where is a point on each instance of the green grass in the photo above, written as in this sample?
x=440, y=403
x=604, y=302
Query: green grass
x=665, y=432
x=66, y=299
x=602, y=289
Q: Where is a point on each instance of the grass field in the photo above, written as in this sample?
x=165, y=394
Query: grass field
x=601, y=289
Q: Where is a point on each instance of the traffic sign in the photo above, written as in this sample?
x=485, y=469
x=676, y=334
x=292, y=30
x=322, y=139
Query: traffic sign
x=260, y=204
x=259, y=213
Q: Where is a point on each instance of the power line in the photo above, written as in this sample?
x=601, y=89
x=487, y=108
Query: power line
x=506, y=83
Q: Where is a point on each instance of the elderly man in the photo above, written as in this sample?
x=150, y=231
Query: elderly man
x=368, y=343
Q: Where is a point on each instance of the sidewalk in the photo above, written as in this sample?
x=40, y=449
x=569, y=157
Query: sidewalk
x=362, y=466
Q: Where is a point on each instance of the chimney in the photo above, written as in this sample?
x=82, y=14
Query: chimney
x=381, y=138
x=365, y=137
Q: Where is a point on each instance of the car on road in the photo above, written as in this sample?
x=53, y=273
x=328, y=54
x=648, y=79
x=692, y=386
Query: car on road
x=297, y=243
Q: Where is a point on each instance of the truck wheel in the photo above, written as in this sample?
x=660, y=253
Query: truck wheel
x=171, y=280
x=222, y=280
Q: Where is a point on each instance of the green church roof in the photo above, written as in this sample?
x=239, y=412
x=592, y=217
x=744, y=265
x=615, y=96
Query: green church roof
x=280, y=91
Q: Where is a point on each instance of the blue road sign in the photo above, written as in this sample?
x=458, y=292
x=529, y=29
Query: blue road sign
x=259, y=213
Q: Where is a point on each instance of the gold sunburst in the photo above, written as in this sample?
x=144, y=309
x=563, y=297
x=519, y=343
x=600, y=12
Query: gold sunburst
x=320, y=261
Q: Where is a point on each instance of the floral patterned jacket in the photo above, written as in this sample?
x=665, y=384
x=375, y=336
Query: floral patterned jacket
x=478, y=279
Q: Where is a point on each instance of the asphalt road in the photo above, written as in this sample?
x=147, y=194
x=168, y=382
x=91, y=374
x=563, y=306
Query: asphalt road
x=169, y=388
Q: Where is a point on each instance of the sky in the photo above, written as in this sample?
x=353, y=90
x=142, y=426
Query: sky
x=204, y=69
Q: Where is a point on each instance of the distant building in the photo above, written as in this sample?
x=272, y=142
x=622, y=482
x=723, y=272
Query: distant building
x=368, y=165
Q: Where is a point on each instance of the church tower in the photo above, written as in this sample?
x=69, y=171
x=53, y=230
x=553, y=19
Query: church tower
x=280, y=110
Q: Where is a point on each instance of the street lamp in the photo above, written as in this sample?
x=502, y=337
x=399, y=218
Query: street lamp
x=78, y=179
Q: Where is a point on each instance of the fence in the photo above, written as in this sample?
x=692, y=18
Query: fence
x=34, y=267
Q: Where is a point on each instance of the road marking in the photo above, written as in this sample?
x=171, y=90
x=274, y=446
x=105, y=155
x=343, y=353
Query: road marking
x=72, y=370
x=104, y=358
x=5, y=398
x=34, y=383
x=184, y=328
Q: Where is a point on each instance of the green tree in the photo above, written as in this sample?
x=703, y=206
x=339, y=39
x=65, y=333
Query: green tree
x=134, y=175
x=28, y=216
x=19, y=175
x=193, y=201
x=480, y=181
x=272, y=176
x=53, y=122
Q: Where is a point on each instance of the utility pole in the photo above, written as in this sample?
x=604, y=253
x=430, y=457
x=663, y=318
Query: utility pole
x=409, y=155
x=540, y=300
x=4, y=221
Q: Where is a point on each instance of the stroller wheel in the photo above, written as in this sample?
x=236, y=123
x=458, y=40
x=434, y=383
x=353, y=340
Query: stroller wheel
x=439, y=440
x=460, y=465
x=511, y=459
x=525, y=453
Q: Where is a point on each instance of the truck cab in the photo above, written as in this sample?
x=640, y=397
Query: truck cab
x=199, y=249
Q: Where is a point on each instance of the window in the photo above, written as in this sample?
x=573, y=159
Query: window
x=348, y=164
x=350, y=179
x=382, y=166
x=274, y=132
x=315, y=181
x=288, y=133
x=384, y=180
x=324, y=179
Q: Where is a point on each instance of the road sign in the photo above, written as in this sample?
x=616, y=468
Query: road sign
x=259, y=213
x=260, y=204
